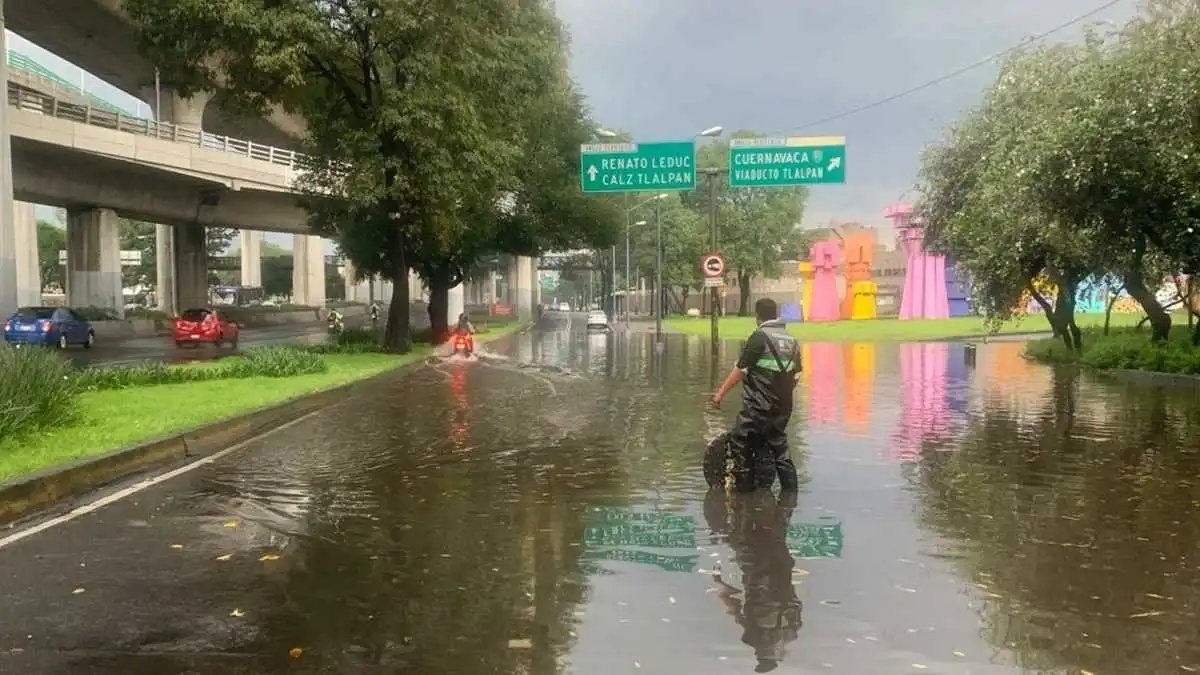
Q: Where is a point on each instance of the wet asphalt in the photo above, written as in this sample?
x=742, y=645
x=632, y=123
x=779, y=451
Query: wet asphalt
x=541, y=510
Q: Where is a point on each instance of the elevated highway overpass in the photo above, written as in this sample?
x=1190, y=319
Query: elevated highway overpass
x=98, y=36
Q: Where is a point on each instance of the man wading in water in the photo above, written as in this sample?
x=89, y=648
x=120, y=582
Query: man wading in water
x=769, y=369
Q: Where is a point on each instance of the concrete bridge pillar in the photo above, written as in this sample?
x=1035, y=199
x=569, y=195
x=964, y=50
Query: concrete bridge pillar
x=28, y=267
x=180, y=111
x=455, y=304
x=8, y=232
x=191, y=267
x=521, y=284
x=251, y=245
x=308, y=270
x=164, y=265
x=94, y=259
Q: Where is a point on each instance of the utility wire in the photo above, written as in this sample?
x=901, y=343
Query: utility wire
x=956, y=73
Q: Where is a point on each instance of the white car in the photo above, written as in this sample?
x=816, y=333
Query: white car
x=564, y=307
x=597, y=320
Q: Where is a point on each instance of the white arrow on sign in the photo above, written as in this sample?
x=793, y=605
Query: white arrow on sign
x=834, y=163
x=591, y=172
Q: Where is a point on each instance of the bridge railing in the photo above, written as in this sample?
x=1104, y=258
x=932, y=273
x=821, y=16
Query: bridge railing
x=107, y=119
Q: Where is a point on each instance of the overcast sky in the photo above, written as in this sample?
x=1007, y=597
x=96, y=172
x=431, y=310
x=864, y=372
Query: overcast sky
x=665, y=69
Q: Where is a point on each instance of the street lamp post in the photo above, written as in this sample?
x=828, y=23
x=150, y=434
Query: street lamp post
x=715, y=294
x=628, y=272
x=658, y=289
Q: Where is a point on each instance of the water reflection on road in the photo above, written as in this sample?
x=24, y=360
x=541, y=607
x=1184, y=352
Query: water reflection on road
x=542, y=510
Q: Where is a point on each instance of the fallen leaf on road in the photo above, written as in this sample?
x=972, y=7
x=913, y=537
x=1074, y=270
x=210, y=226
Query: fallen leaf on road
x=231, y=524
x=1142, y=615
x=237, y=613
x=295, y=652
x=177, y=547
x=225, y=557
x=77, y=591
x=520, y=643
x=267, y=557
x=958, y=653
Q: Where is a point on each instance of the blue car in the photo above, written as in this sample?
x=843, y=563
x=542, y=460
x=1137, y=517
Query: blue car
x=49, y=327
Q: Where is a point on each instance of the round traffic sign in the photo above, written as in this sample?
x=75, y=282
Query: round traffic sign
x=712, y=265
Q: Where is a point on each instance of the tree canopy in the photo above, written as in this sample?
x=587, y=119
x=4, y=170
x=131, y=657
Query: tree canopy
x=438, y=131
x=1081, y=161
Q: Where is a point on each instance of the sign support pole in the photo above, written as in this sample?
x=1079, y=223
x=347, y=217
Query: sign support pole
x=658, y=287
x=715, y=293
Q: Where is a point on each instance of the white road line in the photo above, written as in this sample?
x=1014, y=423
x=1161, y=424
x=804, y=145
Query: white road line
x=138, y=487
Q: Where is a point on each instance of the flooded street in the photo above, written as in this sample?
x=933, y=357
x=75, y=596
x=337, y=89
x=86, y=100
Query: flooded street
x=542, y=511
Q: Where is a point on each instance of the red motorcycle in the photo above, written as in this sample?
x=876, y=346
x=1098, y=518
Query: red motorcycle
x=463, y=342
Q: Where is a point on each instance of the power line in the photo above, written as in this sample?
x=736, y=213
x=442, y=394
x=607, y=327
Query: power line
x=960, y=71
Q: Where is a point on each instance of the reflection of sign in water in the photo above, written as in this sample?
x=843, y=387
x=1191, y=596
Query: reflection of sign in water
x=665, y=532
x=668, y=563
x=815, y=540
x=627, y=535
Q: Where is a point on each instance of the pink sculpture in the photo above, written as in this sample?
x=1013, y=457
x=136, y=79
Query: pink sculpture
x=825, y=256
x=925, y=277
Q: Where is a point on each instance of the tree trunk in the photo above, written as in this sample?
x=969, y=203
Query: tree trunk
x=1160, y=320
x=743, y=294
x=397, y=338
x=1064, y=307
x=1196, y=335
x=1108, y=310
x=439, y=301
x=1048, y=309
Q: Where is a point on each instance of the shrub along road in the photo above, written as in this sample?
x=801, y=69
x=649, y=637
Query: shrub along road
x=160, y=348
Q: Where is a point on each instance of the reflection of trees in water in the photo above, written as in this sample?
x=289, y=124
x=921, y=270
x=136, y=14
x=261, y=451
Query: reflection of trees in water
x=1084, y=541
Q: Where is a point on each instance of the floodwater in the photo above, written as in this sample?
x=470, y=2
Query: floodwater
x=541, y=510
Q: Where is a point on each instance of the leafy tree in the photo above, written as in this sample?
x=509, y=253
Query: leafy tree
x=412, y=108
x=50, y=240
x=684, y=241
x=277, y=274
x=756, y=227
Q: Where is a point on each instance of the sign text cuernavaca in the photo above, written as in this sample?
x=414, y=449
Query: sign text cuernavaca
x=786, y=162
x=637, y=167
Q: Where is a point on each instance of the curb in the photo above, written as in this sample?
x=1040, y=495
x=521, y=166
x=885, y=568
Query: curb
x=34, y=494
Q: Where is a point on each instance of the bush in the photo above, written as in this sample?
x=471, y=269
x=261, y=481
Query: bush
x=1126, y=349
x=260, y=362
x=36, y=390
x=275, y=362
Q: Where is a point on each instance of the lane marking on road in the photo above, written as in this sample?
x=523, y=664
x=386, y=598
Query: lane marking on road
x=142, y=485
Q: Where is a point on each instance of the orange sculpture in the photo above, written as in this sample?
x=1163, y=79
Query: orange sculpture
x=859, y=255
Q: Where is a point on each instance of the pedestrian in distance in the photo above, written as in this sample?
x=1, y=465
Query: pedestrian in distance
x=768, y=369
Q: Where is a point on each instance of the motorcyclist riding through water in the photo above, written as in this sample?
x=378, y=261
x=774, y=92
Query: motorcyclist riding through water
x=769, y=369
x=464, y=326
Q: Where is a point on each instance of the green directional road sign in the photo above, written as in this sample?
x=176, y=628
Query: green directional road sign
x=786, y=162
x=637, y=167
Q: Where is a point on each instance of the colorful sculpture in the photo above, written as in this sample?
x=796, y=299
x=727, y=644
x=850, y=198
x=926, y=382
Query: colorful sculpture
x=806, y=279
x=925, y=277
x=859, y=254
x=824, y=303
x=1091, y=297
x=958, y=291
x=862, y=297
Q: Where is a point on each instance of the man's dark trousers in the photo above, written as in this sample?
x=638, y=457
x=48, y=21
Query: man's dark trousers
x=759, y=449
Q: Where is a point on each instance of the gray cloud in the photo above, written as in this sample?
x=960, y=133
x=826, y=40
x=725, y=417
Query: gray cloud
x=664, y=69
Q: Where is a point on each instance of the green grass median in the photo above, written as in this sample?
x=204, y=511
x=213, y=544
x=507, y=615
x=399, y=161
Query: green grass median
x=56, y=416
x=889, y=330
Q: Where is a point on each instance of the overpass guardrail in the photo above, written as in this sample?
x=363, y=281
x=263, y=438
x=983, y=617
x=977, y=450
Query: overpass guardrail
x=107, y=119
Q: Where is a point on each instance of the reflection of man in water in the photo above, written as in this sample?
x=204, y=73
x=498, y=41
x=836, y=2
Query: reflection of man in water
x=770, y=611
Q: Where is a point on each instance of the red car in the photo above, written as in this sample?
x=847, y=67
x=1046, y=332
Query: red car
x=197, y=326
